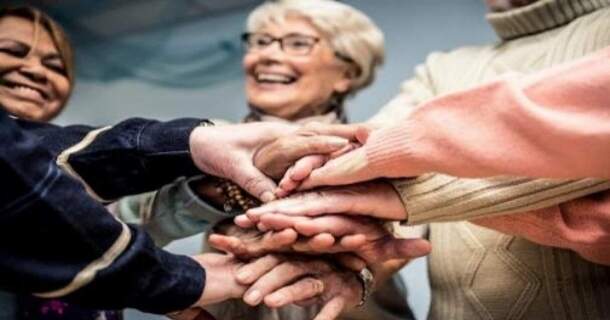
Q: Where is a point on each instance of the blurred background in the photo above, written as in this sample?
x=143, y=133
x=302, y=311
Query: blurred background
x=165, y=59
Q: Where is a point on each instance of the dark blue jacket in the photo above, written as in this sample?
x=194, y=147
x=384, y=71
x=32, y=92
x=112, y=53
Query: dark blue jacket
x=57, y=241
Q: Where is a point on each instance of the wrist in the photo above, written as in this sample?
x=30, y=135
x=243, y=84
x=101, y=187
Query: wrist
x=197, y=140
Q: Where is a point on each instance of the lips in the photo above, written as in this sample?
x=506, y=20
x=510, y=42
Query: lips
x=26, y=91
x=274, y=78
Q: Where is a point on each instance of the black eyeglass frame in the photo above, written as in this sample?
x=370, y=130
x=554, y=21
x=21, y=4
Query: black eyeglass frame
x=245, y=38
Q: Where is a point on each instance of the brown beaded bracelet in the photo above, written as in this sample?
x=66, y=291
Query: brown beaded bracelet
x=236, y=199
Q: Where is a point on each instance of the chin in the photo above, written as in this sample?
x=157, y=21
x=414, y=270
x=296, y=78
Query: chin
x=30, y=113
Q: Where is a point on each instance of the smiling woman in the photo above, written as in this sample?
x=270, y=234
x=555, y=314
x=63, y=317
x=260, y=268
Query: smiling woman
x=36, y=79
x=36, y=69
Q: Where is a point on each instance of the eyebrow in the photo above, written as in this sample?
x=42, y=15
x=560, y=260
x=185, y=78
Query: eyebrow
x=300, y=35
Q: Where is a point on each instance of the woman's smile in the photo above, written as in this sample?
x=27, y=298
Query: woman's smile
x=25, y=91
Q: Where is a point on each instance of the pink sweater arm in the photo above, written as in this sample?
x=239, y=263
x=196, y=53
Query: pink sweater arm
x=582, y=225
x=554, y=124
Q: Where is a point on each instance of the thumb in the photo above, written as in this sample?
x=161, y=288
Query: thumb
x=362, y=134
x=349, y=168
x=255, y=183
x=404, y=248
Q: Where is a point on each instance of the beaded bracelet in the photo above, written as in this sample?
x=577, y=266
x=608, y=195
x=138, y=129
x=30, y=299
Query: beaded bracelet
x=236, y=199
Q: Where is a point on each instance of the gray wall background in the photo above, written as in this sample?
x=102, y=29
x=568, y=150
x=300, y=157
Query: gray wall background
x=413, y=29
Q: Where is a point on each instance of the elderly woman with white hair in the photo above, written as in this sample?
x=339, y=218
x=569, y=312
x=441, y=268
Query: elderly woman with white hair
x=302, y=59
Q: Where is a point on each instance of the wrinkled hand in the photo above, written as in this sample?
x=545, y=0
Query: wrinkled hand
x=275, y=157
x=373, y=199
x=252, y=243
x=312, y=281
x=361, y=236
x=227, y=152
x=349, y=168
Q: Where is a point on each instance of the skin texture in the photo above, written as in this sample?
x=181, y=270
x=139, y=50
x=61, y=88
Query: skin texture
x=276, y=157
x=36, y=66
x=240, y=143
x=318, y=75
x=315, y=281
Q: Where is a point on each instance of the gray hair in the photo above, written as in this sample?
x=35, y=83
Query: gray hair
x=350, y=32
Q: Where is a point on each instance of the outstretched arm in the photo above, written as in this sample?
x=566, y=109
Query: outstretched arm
x=86, y=254
x=554, y=123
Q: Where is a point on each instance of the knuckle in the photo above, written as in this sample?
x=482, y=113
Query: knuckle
x=291, y=268
x=316, y=285
x=252, y=185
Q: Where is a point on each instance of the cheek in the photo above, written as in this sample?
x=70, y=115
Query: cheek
x=248, y=62
x=62, y=88
x=7, y=63
x=320, y=82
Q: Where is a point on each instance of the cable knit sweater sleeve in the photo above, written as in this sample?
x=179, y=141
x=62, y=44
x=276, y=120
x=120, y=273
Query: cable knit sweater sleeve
x=554, y=123
x=580, y=225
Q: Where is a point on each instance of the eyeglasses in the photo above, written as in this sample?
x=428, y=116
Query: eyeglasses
x=292, y=44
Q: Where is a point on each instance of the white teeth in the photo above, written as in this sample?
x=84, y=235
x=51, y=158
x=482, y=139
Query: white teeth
x=274, y=77
x=28, y=91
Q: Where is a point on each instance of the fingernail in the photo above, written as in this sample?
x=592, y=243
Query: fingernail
x=267, y=196
x=254, y=297
x=337, y=142
x=243, y=276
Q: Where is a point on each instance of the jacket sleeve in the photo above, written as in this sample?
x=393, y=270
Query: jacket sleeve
x=552, y=124
x=171, y=213
x=134, y=156
x=55, y=241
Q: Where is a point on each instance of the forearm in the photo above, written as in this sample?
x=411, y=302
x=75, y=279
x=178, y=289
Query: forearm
x=440, y=198
x=85, y=254
x=550, y=124
x=131, y=157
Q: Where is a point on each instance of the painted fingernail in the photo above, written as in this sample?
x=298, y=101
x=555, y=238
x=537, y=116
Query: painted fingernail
x=254, y=297
x=267, y=196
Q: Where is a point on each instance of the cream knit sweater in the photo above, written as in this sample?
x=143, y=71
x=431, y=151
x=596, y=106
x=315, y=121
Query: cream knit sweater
x=477, y=273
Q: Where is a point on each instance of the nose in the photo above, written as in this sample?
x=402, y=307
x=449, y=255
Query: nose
x=34, y=71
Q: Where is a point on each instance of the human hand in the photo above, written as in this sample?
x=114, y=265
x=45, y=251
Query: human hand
x=248, y=243
x=227, y=152
x=348, y=168
x=364, y=237
x=221, y=278
x=275, y=157
x=311, y=281
x=375, y=199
